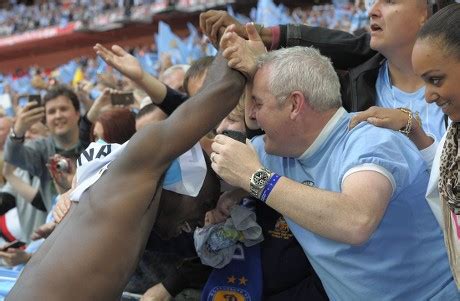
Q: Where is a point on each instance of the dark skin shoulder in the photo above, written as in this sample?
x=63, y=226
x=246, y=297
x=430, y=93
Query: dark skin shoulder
x=93, y=252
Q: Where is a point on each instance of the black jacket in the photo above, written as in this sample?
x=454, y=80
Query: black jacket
x=286, y=271
x=357, y=64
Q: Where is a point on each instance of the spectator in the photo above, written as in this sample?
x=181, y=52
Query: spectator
x=174, y=77
x=16, y=258
x=286, y=272
x=233, y=121
x=21, y=193
x=114, y=126
x=298, y=89
x=62, y=114
x=196, y=74
x=430, y=61
x=438, y=50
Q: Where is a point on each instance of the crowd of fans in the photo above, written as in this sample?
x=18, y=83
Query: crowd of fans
x=347, y=17
x=313, y=230
x=17, y=18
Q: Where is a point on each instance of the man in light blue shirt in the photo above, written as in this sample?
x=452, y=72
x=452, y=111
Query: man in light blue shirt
x=353, y=198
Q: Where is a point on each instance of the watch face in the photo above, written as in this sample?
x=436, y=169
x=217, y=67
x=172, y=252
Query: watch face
x=260, y=178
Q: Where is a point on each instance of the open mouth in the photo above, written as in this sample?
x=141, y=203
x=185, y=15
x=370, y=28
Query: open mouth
x=375, y=27
x=59, y=124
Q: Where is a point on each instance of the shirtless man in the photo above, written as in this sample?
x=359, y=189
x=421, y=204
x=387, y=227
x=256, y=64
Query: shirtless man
x=95, y=249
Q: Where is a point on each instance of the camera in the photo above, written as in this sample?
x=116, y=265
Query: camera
x=123, y=98
x=62, y=165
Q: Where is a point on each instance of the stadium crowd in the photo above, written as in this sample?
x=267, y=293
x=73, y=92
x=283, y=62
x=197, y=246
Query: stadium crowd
x=306, y=160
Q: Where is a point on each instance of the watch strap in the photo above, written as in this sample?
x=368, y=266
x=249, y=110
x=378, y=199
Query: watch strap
x=14, y=136
x=255, y=190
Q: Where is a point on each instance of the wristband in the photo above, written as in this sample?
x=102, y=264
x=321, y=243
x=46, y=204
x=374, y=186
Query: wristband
x=269, y=186
x=275, y=37
x=172, y=100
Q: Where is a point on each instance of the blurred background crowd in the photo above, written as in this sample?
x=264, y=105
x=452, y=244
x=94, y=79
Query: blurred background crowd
x=166, y=47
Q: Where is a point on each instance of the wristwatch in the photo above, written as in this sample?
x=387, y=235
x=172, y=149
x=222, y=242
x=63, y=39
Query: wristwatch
x=15, y=137
x=258, y=181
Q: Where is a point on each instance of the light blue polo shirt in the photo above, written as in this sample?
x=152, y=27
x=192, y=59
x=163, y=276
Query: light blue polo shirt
x=405, y=258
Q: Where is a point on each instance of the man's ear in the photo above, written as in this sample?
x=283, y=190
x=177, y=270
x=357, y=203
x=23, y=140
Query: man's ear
x=297, y=104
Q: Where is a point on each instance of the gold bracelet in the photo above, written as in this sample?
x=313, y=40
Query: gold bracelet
x=408, y=128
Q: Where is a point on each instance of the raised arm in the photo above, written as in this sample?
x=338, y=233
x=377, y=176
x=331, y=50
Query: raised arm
x=158, y=144
x=344, y=49
x=26, y=156
x=129, y=66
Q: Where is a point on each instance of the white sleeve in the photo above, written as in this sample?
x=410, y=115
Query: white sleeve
x=429, y=152
x=372, y=167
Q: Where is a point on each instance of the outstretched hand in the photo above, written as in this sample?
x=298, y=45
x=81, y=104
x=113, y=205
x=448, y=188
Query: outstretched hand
x=214, y=22
x=121, y=60
x=393, y=119
x=242, y=54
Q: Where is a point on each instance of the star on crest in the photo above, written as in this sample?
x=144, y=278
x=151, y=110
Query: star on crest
x=231, y=279
x=243, y=280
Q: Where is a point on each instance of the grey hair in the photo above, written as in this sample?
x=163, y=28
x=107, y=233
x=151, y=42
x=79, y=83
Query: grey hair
x=174, y=68
x=302, y=69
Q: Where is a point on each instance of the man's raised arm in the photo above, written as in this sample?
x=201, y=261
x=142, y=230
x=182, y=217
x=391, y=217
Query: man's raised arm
x=166, y=140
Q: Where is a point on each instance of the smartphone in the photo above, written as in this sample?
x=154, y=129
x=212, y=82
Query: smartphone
x=124, y=99
x=236, y=135
x=35, y=97
x=16, y=244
